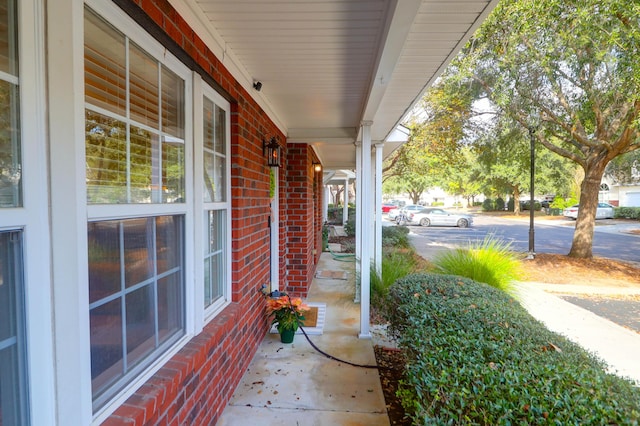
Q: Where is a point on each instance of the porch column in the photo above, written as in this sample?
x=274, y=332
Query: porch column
x=325, y=203
x=366, y=239
x=378, y=209
x=345, y=207
x=358, y=219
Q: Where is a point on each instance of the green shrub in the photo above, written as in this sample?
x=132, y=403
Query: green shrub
x=561, y=203
x=475, y=356
x=395, y=236
x=487, y=205
x=499, y=203
x=437, y=204
x=350, y=227
x=395, y=265
x=627, y=213
x=490, y=261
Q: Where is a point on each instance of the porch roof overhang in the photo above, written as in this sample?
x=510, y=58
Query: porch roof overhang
x=327, y=66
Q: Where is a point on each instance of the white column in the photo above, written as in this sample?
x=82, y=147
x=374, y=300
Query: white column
x=345, y=207
x=69, y=213
x=275, y=232
x=378, y=209
x=325, y=203
x=358, y=219
x=366, y=240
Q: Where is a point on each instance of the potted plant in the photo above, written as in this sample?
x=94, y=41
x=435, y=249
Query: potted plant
x=287, y=314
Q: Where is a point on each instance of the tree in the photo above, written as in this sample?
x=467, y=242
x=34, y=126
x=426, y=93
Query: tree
x=410, y=170
x=625, y=169
x=570, y=69
x=437, y=132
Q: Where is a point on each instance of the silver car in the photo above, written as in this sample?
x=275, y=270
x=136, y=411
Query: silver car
x=433, y=216
x=604, y=211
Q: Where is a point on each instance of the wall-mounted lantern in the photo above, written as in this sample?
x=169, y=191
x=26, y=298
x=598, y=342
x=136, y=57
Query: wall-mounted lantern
x=273, y=152
x=317, y=167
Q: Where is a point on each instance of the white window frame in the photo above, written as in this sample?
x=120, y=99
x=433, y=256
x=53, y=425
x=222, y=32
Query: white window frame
x=201, y=90
x=32, y=218
x=120, y=20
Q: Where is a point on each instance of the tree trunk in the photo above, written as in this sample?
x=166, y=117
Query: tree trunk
x=582, y=246
x=516, y=200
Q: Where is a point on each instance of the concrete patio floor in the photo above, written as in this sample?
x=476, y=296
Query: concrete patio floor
x=293, y=384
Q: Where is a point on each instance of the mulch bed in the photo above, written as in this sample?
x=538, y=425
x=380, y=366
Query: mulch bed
x=392, y=362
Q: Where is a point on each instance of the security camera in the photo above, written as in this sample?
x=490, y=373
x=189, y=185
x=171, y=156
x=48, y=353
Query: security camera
x=257, y=85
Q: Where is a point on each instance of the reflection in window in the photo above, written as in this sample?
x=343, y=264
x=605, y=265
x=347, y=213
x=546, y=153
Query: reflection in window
x=136, y=293
x=134, y=121
x=214, y=155
x=13, y=393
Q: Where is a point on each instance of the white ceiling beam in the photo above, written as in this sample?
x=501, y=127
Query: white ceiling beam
x=402, y=19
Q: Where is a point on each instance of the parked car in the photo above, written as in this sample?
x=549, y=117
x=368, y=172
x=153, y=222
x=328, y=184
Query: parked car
x=604, y=211
x=386, y=207
x=438, y=217
x=411, y=208
x=393, y=214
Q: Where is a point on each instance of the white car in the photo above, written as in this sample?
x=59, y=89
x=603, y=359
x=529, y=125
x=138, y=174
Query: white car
x=411, y=208
x=604, y=211
x=439, y=217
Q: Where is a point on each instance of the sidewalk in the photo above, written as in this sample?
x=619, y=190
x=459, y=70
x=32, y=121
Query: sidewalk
x=619, y=347
x=292, y=384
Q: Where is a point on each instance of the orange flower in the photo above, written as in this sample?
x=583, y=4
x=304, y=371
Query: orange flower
x=287, y=312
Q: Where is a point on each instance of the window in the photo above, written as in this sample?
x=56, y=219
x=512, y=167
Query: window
x=215, y=141
x=134, y=121
x=12, y=339
x=10, y=161
x=13, y=354
x=135, y=150
x=136, y=296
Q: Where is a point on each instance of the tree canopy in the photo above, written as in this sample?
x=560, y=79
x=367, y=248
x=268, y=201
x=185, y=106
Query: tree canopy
x=568, y=69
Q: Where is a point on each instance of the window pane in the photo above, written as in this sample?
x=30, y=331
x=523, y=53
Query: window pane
x=106, y=345
x=104, y=65
x=168, y=238
x=8, y=37
x=221, y=133
x=13, y=391
x=141, y=159
x=138, y=250
x=172, y=104
x=214, y=262
x=144, y=316
x=209, y=177
x=209, y=121
x=105, y=272
x=143, y=86
x=106, y=159
x=10, y=161
x=214, y=119
x=173, y=171
x=137, y=154
x=140, y=324
x=170, y=304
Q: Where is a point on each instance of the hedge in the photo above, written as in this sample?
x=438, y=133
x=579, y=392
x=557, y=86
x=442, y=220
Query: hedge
x=627, y=212
x=475, y=356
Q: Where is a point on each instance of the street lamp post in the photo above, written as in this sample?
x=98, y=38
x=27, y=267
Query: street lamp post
x=532, y=252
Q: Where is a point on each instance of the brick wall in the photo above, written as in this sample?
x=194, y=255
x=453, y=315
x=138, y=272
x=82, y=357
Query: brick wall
x=303, y=221
x=195, y=385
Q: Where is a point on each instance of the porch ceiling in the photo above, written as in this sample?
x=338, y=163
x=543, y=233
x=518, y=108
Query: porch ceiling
x=328, y=65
